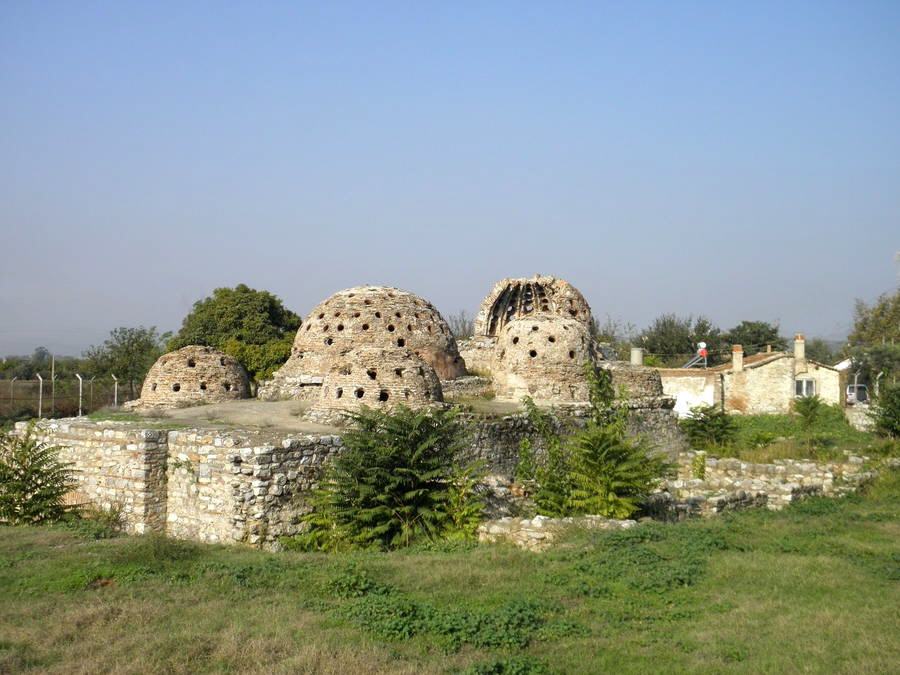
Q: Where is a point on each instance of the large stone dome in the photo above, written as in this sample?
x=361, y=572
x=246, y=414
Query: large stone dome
x=194, y=375
x=543, y=357
x=512, y=299
x=379, y=378
x=365, y=316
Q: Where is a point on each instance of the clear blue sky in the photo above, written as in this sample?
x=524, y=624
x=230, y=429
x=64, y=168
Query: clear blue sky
x=735, y=161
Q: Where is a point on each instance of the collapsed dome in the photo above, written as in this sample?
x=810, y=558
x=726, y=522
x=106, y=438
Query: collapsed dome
x=373, y=316
x=194, y=375
x=543, y=357
x=379, y=378
x=513, y=299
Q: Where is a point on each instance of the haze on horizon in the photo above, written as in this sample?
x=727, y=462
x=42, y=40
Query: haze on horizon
x=696, y=158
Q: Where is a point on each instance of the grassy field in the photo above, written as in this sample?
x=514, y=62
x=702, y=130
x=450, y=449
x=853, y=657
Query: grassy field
x=815, y=588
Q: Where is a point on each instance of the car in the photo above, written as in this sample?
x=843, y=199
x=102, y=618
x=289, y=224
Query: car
x=857, y=393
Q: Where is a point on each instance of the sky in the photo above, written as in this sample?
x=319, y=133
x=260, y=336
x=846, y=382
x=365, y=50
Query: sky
x=736, y=160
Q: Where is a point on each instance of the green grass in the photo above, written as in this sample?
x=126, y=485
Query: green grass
x=764, y=438
x=814, y=588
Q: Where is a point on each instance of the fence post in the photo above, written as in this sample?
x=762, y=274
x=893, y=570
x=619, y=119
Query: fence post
x=115, y=391
x=80, y=390
x=91, y=395
x=11, y=390
x=40, y=394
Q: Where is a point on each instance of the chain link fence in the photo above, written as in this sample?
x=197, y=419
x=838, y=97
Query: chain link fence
x=24, y=399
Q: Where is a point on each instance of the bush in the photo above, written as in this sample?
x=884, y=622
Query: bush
x=609, y=473
x=395, y=483
x=709, y=426
x=33, y=480
x=886, y=412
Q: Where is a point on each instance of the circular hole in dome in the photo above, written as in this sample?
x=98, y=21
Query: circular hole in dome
x=397, y=371
x=427, y=395
x=359, y=393
x=534, y=328
x=338, y=392
x=397, y=314
x=401, y=342
x=429, y=329
x=377, y=315
x=390, y=328
x=222, y=361
x=322, y=315
x=203, y=386
x=573, y=312
x=421, y=371
x=382, y=396
x=551, y=339
x=406, y=393
x=367, y=302
x=337, y=314
x=372, y=374
x=308, y=326
x=325, y=328
x=572, y=354
x=355, y=315
x=416, y=315
x=390, y=295
x=192, y=363
x=227, y=386
x=350, y=295
x=409, y=327
x=516, y=340
x=532, y=353
x=365, y=326
x=153, y=387
x=329, y=341
x=176, y=387
x=340, y=326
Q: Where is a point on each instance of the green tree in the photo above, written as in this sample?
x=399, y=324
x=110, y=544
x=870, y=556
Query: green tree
x=886, y=412
x=252, y=326
x=875, y=339
x=127, y=353
x=820, y=351
x=809, y=409
x=753, y=336
x=674, y=339
x=709, y=426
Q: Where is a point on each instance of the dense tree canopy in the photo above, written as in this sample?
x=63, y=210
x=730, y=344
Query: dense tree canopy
x=875, y=338
x=128, y=354
x=252, y=326
x=754, y=336
x=674, y=339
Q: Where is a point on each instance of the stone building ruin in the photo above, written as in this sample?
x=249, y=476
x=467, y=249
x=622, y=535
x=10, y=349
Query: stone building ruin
x=378, y=378
x=512, y=299
x=193, y=375
x=542, y=357
x=360, y=317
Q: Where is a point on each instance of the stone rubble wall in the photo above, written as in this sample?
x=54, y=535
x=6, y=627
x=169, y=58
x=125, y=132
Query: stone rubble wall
x=116, y=466
x=539, y=533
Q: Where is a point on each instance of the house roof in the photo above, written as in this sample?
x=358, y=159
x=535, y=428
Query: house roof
x=753, y=361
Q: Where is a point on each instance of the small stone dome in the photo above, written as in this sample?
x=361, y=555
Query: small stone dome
x=379, y=378
x=366, y=316
x=513, y=299
x=194, y=375
x=543, y=357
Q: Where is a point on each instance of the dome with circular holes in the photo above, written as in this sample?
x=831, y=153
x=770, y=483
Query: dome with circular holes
x=513, y=299
x=379, y=378
x=366, y=316
x=192, y=376
x=544, y=358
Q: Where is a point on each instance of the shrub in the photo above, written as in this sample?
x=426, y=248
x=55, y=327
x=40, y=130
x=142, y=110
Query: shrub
x=709, y=426
x=98, y=523
x=886, y=412
x=395, y=483
x=33, y=480
x=609, y=473
x=809, y=409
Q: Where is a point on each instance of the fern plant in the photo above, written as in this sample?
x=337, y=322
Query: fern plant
x=33, y=480
x=709, y=426
x=393, y=484
x=610, y=474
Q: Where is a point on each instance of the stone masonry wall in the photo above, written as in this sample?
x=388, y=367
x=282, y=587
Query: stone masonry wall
x=115, y=466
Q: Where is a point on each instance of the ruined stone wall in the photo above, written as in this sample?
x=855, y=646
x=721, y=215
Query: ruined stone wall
x=192, y=376
x=115, y=466
x=478, y=353
x=634, y=381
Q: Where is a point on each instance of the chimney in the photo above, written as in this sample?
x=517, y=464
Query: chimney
x=799, y=347
x=768, y=349
x=637, y=356
x=737, y=358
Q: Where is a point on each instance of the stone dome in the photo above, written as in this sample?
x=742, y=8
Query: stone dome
x=379, y=378
x=543, y=357
x=194, y=375
x=366, y=316
x=512, y=299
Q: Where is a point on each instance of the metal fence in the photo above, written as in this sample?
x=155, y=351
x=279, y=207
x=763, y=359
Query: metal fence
x=63, y=397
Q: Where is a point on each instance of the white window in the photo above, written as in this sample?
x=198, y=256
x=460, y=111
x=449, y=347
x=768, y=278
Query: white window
x=804, y=388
